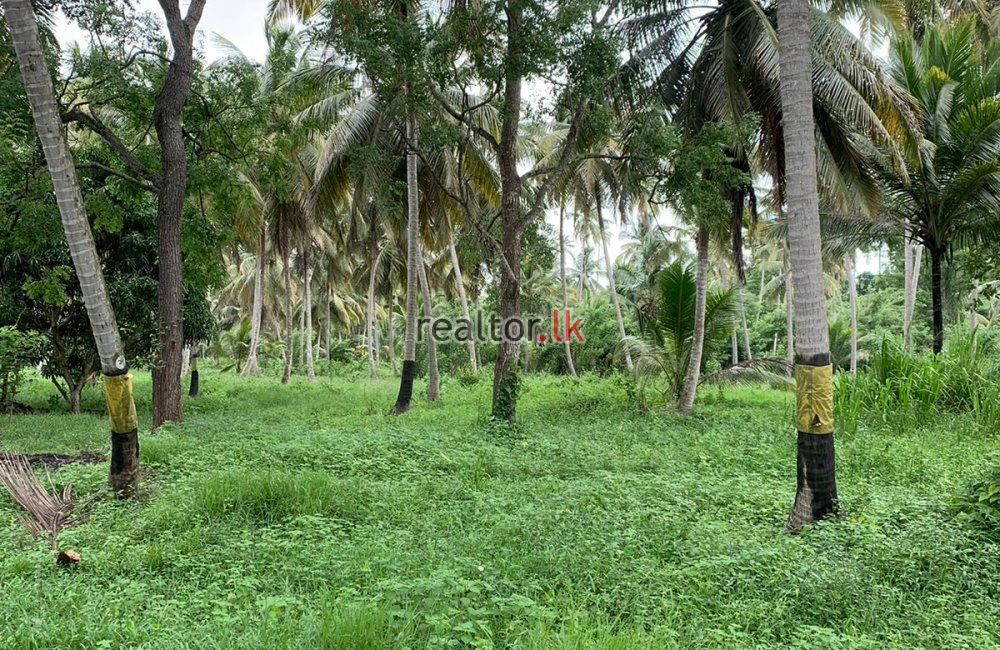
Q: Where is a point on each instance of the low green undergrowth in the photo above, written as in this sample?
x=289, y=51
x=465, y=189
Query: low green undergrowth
x=303, y=516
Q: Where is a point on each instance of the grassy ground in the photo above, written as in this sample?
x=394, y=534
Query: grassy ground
x=304, y=517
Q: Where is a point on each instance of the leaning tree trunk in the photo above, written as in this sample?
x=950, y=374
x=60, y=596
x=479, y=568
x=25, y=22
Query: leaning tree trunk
x=816, y=493
x=412, y=272
x=286, y=274
x=852, y=296
x=167, y=107
x=907, y=281
x=910, y=300
x=433, y=378
x=124, y=474
x=611, y=284
x=693, y=375
x=937, y=302
x=562, y=283
x=256, y=313
x=307, y=306
x=460, y=284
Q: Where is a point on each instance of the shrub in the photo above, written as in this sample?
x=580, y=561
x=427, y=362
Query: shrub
x=18, y=350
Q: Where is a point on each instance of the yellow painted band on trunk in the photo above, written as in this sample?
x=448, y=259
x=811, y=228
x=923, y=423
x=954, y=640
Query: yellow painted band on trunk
x=121, y=406
x=194, y=363
x=814, y=399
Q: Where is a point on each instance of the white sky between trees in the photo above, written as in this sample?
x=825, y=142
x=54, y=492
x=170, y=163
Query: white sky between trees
x=242, y=23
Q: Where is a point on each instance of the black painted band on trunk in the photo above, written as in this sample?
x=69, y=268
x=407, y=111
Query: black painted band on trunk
x=816, y=476
x=816, y=360
x=405, y=387
x=193, y=390
x=124, y=445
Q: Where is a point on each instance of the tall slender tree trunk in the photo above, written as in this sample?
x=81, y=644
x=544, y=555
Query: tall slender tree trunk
x=457, y=269
x=743, y=323
x=937, y=301
x=286, y=273
x=412, y=271
x=391, y=335
x=307, y=306
x=734, y=345
x=907, y=281
x=370, y=316
x=256, y=312
x=973, y=315
x=167, y=107
x=690, y=388
x=816, y=493
x=562, y=282
x=327, y=318
x=301, y=352
x=852, y=296
x=609, y=269
x=433, y=378
x=123, y=476
x=911, y=282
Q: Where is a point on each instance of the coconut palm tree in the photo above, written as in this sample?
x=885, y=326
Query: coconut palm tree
x=951, y=195
x=124, y=474
x=816, y=492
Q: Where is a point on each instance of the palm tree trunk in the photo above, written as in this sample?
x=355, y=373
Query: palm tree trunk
x=562, y=282
x=973, y=315
x=734, y=344
x=937, y=257
x=743, y=323
x=412, y=271
x=690, y=388
x=391, y=335
x=327, y=318
x=907, y=281
x=370, y=317
x=433, y=379
x=307, y=306
x=302, y=329
x=852, y=294
x=911, y=283
x=816, y=494
x=123, y=476
x=457, y=269
x=611, y=284
x=286, y=273
x=789, y=325
x=256, y=312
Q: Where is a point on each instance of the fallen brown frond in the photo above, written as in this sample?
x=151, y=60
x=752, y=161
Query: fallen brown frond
x=47, y=513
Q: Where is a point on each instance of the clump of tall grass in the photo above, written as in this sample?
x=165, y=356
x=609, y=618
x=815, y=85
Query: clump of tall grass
x=900, y=388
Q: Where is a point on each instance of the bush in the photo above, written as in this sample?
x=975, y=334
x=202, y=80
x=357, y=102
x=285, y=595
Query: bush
x=979, y=502
x=902, y=388
x=18, y=350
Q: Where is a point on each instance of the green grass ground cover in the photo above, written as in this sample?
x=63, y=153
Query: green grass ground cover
x=304, y=517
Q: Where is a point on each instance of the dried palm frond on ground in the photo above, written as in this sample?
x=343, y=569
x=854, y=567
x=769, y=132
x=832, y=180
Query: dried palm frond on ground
x=47, y=513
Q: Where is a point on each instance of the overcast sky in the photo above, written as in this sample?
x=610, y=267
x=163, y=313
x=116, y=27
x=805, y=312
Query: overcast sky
x=242, y=23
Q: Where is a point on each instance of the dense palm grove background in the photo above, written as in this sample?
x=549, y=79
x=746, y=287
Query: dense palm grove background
x=625, y=160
